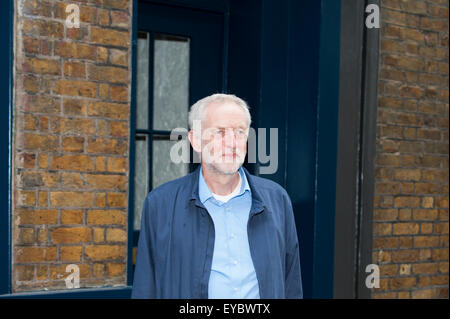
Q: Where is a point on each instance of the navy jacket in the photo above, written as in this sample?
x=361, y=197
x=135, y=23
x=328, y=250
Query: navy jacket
x=176, y=242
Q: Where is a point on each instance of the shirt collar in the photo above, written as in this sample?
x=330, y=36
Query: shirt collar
x=205, y=193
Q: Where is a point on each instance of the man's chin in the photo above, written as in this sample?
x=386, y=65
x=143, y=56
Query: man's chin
x=225, y=169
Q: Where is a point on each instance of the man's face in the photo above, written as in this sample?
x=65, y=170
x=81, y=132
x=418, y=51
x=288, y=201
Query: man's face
x=224, y=137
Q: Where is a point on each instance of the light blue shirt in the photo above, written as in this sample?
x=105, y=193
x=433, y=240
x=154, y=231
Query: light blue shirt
x=232, y=272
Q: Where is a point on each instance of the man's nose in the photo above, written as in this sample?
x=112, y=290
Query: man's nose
x=230, y=138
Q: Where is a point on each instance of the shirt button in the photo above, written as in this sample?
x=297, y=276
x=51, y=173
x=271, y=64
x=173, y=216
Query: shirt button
x=235, y=262
x=232, y=235
x=236, y=289
x=227, y=209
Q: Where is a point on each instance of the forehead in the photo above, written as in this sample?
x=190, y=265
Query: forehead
x=225, y=114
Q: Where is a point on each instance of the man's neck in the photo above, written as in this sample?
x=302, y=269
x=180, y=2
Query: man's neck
x=220, y=184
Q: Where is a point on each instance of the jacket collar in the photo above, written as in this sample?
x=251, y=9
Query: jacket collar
x=257, y=202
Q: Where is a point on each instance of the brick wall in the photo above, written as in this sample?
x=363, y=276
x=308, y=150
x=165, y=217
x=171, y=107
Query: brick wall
x=71, y=137
x=411, y=191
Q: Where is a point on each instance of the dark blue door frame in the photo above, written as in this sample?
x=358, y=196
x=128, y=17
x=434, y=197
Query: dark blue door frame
x=6, y=96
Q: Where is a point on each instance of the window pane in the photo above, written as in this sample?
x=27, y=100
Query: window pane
x=164, y=169
x=140, y=178
x=142, y=80
x=171, y=82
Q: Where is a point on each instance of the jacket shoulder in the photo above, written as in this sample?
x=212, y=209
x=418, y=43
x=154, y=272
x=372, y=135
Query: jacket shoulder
x=172, y=189
x=264, y=185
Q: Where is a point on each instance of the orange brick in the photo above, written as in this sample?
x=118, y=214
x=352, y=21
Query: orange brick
x=103, y=17
x=110, y=37
x=39, y=179
x=26, y=198
x=385, y=214
x=74, y=69
x=405, y=255
x=405, y=242
x=105, y=252
x=426, y=268
x=424, y=294
x=108, y=110
x=99, y=235
x=118, y=57
x=107, y=182
x=46, y=28
x=75, y=50
x=102, y=128
x=106, y=217
x=40, y=142
x=104, y=91
x=427, y=188
x=117, y=164
x=35, y=254
x=72, y=162
x=71, y=235
x=75, y=88
x=26, y=235
x=74, y=107
x=71, y=180
x=402, y=283
x=107, y=146
x=43, y=199
x=441, y=228
x=25, y=272
x=119, y=129
x=71, y=199
x=38, y=217
x=407, y=201
x=42, y=66
x=100, y=199
x=385, y=243
x=115, y=269
x=405, y=228
x=116, y=235
x=407, y=174
x=73, y=144
x=71, y=253
x=40, y=104
x=26, y=160
x=439, y=280
x=117, y=200
x=73, y=126
x=71, y=216
x=426, y=228
x=440, y=254
x=99, y=270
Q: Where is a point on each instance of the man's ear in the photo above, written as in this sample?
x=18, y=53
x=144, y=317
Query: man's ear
x=195, y=140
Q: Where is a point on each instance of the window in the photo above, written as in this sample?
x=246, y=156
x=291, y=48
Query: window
x=162, y=104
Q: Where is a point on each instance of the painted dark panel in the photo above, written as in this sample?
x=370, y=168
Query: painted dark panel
x=327, y=122
x=244, y=56
x=301, y=123
x=6, y=27
x=273, y=79
x=287, y=61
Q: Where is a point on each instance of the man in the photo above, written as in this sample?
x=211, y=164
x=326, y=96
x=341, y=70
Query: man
x=218, y=232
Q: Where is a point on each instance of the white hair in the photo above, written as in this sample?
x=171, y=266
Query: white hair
x=197, y=110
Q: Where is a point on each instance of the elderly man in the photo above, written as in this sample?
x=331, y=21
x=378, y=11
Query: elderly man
x=218, y=232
